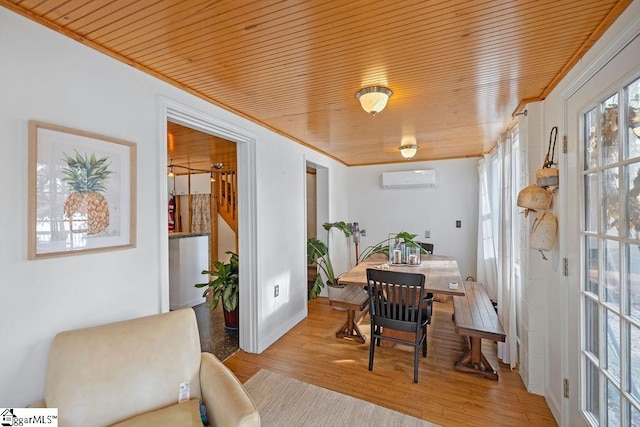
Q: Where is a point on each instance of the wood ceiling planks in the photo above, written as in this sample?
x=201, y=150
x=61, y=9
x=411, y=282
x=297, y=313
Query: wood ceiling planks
x=196, y=150
x=458, y=69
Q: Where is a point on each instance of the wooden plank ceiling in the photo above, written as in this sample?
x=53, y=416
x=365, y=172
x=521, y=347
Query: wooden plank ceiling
x=458, y=69
x=191, y=151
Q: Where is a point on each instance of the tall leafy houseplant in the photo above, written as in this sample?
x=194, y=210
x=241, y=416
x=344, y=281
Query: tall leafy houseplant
x=223, y=284
x=318, y=252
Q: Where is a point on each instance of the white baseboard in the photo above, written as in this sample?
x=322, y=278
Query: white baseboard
x=187, y=304
x=554, y=407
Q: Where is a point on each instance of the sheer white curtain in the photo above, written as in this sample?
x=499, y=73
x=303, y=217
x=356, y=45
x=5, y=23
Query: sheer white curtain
x=497, y=175
x=506, y=290
x=487, y=264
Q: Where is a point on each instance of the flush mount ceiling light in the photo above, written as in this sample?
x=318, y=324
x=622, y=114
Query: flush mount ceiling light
x=408, y=150
x=373, y=99
x=216, y=166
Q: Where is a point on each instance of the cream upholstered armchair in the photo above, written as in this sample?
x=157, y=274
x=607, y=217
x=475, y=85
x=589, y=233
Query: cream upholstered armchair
x=130, y=373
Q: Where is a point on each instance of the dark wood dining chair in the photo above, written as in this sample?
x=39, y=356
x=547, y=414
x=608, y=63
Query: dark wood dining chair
x=427, y=247
x=396, y=301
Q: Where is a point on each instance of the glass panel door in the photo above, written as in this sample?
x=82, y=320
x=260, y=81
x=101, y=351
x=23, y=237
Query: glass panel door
x=610, y=284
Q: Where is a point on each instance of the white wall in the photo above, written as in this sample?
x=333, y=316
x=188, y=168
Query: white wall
x=455, y=197
x=48, y=77
x=531, y=350
x=226, y=240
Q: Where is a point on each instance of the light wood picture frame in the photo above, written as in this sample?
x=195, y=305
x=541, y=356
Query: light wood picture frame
x=82, y=192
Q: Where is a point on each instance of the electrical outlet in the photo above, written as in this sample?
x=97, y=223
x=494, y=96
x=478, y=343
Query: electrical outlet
x=458, y=224
x=363, y=233
x=276, y=291
x=427, y=234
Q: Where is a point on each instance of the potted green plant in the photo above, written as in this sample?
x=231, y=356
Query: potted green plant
x=383, y=246
x=223, y=284
x=318, y=252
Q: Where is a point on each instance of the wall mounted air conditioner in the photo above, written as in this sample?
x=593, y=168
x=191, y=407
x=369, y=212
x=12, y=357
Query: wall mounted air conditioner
x=420, y=178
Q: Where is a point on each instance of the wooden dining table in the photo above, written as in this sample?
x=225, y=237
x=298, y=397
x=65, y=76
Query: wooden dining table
x=442, y=276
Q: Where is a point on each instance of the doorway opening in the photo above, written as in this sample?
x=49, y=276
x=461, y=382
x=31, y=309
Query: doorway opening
x=317, y=199
x=246, y=184
x=312, y=221
x=202, y=225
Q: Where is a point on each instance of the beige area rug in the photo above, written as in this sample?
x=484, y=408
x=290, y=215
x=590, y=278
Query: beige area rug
x=285, y=402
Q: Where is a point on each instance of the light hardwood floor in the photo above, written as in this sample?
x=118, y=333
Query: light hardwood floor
x=311, y=353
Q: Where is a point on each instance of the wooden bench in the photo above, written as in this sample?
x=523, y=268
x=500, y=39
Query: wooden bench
x=476, y=318
x=353, y=298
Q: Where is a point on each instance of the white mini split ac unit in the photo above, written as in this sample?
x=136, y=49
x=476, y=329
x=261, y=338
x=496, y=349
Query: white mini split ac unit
x=421, y=178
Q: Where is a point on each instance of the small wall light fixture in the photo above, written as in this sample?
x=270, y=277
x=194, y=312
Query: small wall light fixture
x=408, y=150
x=373, y=99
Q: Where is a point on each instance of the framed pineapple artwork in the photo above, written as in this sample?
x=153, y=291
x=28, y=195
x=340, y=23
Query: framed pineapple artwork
x=82, y=192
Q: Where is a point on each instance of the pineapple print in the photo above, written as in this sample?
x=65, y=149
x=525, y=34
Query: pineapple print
x=87, y=179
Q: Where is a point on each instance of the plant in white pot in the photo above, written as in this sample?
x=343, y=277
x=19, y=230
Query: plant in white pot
x=318, y=252
x=223, y=284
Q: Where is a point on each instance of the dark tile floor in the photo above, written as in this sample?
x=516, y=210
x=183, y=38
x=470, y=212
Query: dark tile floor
x=214, y=338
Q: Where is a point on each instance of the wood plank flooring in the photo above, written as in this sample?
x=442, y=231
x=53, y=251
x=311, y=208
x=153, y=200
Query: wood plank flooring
x=311, y=353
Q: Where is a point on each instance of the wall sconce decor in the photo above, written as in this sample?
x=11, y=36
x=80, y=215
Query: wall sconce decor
x=373, y=99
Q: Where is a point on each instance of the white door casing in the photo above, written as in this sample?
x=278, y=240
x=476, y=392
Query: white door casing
x=247, y=210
